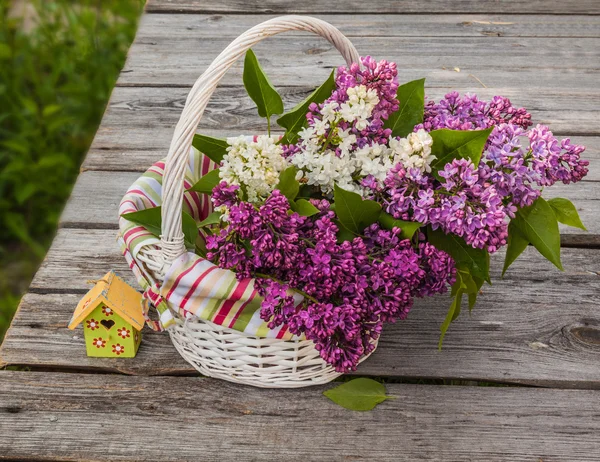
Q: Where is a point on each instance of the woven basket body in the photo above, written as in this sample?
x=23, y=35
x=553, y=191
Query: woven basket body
x=215, y=350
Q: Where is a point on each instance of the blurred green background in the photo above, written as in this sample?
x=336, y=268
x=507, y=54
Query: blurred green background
x=59, y=61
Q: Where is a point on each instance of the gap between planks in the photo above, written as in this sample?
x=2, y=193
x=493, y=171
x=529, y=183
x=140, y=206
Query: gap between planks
x=384, y=7
x=209, y=26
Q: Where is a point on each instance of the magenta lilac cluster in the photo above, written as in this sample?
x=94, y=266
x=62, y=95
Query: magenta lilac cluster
x=344, y=292
x=476, y=202
x=380, y=76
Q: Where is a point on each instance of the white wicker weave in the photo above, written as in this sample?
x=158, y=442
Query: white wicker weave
x=212, y=349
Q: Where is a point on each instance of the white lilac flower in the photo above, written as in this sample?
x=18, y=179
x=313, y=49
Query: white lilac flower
x=323, y=169
x=253, y=165
x=359, y=106
x=414, y=151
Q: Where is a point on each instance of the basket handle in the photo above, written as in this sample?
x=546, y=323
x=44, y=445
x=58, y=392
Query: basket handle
x=172, y=242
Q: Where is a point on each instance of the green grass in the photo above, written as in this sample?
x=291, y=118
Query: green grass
x=57, y=70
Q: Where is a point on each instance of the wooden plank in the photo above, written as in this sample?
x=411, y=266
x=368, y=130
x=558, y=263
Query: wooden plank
x=108, y=417
x=537, y=326
x=139, y=122
x=40, y=332
x=94, y=203
x=388, y=7
x=523, y=62
x=209, y=26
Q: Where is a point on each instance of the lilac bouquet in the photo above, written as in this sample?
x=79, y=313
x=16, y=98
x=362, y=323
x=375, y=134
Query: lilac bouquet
x=372, y=198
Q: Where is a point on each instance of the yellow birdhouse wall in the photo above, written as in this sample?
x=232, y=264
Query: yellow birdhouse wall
x=108, y=335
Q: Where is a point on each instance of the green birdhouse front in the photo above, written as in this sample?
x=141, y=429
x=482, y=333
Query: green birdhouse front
x=112, y=318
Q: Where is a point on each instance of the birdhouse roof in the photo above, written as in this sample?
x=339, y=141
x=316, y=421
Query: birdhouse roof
x=114, y=292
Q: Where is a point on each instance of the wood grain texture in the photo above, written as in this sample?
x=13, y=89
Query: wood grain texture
x=94, y=203
x=208, y=26
x=537, y=326
x=145, y=118
x=139, y=122
x=389, y=7
x=108, y=417
x=517, y=62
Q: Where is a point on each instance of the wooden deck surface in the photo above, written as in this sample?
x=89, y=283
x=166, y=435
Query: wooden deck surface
x=536, y=327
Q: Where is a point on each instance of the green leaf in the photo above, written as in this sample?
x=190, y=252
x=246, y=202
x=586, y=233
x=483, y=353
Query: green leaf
x=151, y=219
x=539, y=225
x=454, y=309
x=354, y=212
x=412, y=105
x=476, y=260
x=288, y=185
x=517, y=243
x=190, y=230
x=305, y=208
x=344, y=234
x=213, y=148
x=213, y=219
x=408, y=227
x=260, y=89
x=294, y=120
x=455, y=144
x=466, y=284
x=358, y=394
x=207, y=183
x=566, y=213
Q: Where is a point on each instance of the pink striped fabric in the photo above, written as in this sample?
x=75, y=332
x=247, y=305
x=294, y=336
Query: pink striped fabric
x=192, y=285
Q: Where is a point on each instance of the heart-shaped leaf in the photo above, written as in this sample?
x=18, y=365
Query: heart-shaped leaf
x=412, y=105
x=476, y=260
x=354, y=212
x=516, y=245
x=151, y=219
x=566, y=213
x=294, y=120
x=213, y=219
x=539, y=225
x=213, y=148
x=344, y=234
x=304, y=208
x=455, y=144
x=360, y=394
x=260, y=88
x=288, y=185
x=408, y=228
x=207, y=183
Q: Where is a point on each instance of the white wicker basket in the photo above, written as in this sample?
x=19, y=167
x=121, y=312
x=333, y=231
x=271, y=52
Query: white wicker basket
x=212, y=349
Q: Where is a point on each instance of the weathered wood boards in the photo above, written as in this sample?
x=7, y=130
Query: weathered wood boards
x=537, y=326
x=208, y=26
x=517, y=62
x=387, y=7
x=139, y=122
x=107, y=417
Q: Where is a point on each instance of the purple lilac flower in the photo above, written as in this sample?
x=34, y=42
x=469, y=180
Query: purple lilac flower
x=470, y=113
x=380, y=76
x=476, y=202
x=350, y=289
x=462, y=204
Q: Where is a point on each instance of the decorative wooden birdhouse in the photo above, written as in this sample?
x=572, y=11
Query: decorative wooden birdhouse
x=112, y=318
